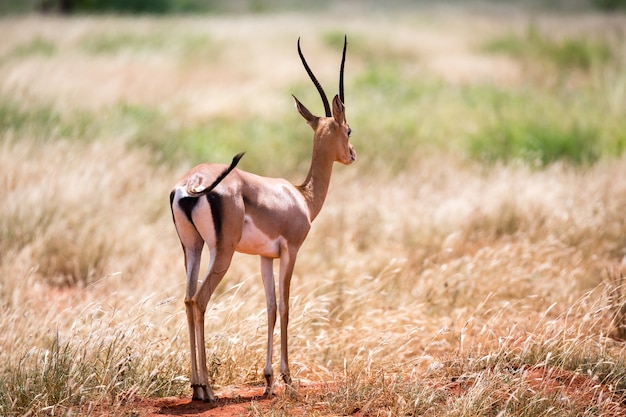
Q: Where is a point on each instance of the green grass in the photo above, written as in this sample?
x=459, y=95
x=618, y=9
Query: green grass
x=219, y=139
x=536, y=143
x=115, y=43
x=568, y=54
x=414, y=117
x=541, y=127
x=36, y=47
x=18, y=120
x=43, y=122
x=490, y=124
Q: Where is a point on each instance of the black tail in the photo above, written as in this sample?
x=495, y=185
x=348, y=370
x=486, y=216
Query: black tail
x=221, y=177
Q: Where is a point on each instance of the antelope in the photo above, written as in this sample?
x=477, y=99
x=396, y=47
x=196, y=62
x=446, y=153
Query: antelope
x=230, y=210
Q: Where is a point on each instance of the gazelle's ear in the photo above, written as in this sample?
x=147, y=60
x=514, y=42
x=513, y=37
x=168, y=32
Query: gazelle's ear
x=339, y=110
x=308, y=116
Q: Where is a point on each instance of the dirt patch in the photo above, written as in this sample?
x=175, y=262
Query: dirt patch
x=232, y=401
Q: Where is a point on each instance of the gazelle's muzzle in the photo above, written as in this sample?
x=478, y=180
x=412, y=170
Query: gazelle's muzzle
x=351, y=158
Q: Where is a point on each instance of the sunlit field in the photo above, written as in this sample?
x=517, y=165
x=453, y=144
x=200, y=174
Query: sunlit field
x=471, y=262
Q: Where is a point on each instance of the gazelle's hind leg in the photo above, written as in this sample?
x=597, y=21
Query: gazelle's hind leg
x=201, y=389
x=193, y=254
x=220, y=261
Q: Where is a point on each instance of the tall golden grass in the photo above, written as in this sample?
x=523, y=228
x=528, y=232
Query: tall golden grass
x=436, y=289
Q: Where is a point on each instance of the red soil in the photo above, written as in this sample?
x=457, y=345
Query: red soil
x=232, y=401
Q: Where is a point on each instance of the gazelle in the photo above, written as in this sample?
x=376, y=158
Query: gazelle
x=233, y=210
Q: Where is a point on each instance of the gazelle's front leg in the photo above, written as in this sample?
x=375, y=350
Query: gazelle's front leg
x=287, y=262
x=267, y=273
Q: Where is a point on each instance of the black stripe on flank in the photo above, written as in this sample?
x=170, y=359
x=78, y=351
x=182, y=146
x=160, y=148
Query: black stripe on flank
x=215, y=201
x=187, y=204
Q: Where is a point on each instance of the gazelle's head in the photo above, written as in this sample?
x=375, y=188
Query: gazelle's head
x=332, y=133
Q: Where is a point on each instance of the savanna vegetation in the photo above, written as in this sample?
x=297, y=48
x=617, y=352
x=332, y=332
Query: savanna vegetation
x=470, y=263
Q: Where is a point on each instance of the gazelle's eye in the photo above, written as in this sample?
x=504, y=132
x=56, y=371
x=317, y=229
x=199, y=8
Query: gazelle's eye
x=349, y=132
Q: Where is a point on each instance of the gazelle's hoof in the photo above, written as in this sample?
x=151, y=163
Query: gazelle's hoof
x=269, y=385
x=269, y=392
x=202, y=393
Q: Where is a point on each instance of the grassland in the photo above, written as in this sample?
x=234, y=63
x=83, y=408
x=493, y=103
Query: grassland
x=470, y=263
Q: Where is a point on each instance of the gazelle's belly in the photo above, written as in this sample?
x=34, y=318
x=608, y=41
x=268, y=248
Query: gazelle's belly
x=255, y=242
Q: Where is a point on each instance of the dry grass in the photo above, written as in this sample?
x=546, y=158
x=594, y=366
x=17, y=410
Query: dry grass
x=444, y=287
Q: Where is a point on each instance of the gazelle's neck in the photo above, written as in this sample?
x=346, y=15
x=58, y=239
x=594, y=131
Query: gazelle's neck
x=315, y=186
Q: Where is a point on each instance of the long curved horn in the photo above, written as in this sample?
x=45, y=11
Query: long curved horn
x=317, y=84
x=343, y=61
